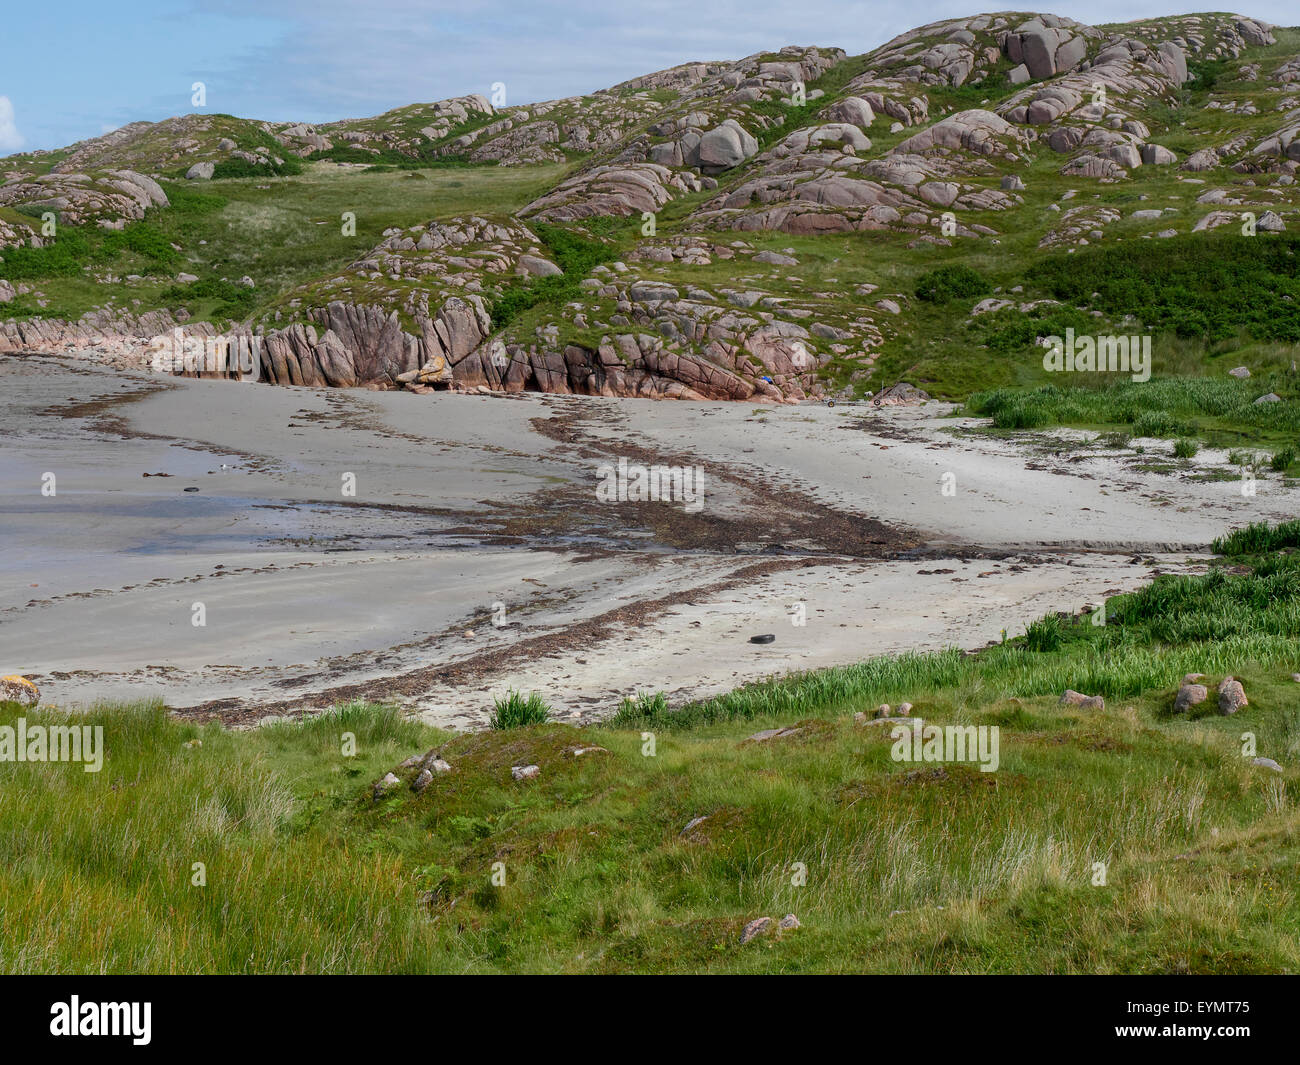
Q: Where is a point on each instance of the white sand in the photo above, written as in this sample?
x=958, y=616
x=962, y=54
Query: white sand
x=307, y=594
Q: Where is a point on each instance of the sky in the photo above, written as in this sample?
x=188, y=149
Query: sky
x=78, y=68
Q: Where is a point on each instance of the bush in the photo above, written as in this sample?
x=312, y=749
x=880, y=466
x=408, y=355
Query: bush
x=234, y=301
x=1010, y=330
x=1208, y=287
x=242, y=168
x=519, y=711
x=64, y=256
x=1283, y=459
x=1205, y=74
x=1185, y=448
x=951, y=283
x=144, y=240
x=1045, y=634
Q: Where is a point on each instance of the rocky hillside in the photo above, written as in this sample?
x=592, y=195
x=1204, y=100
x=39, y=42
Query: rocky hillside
x=753, y=230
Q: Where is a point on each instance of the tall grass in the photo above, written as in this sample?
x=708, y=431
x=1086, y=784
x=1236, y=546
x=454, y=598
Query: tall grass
x=1259, y=538
x=1159, y=407
x=514, y=710
x=196, y=849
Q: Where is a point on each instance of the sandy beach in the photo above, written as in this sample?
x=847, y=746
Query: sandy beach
x=438, y=550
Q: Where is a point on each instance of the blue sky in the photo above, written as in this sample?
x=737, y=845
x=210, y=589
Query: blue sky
x=77, y=68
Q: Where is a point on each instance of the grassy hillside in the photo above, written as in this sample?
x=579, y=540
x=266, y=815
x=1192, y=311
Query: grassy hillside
x=281, y=232
x=601, y=864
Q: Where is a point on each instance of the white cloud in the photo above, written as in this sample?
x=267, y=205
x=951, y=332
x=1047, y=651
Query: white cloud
x=10, y=139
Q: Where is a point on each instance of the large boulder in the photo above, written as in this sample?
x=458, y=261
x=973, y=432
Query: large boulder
x=851, y=109
x=1232, y=696
x=1071, y=54
x=1190, y=695
x=723, y=147
x=1255, y=33
x=1201, y=159
x=976, y=130
x=1174, y=60
x=1038, y=51
x=1158, y=155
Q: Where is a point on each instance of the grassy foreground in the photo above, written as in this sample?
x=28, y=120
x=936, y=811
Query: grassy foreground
x=590, y=867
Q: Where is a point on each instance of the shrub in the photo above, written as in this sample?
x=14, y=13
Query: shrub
x=64, y=256
x=1045, y=634
x=1185, y=448
x=242, y=168
x=1283, y=458
x=951, y=283
x=1201, y=286
x=234, y=301
x=519, y=711
x=1205, y=74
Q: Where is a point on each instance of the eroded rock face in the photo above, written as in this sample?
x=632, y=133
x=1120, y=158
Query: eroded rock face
x=614, y=190
x=112, y=338
x=1048, y=45
x=347, y=345
x=978, y=131
x=110, y=198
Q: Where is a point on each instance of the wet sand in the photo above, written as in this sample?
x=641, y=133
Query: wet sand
x=474, y=555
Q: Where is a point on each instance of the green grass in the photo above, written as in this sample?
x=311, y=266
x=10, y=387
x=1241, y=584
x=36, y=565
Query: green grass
x=284, y=232
x=570, y=250
x=1259, y=538
x=951, y=282
x=518, y=711
x=1219, y=410
x=1192, y=285
x=890, y=866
